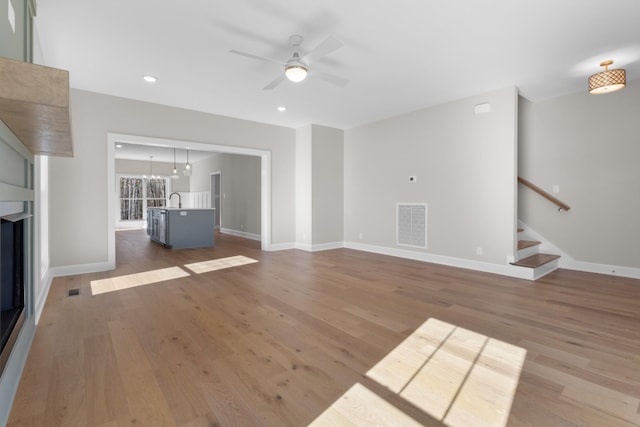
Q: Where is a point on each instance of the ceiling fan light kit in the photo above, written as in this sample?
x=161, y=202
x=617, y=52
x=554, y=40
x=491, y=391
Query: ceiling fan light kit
x=296, y=68
x=296, y=72
x=607, y=80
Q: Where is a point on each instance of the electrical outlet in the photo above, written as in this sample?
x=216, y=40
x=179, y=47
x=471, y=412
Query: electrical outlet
x=360, y=236
x=478, y=250
x=556, y=189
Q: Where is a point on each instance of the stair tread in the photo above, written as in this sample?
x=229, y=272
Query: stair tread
x=522, y=244
x=536, y=260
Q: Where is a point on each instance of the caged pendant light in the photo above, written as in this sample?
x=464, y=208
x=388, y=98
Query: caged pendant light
x=607, y=80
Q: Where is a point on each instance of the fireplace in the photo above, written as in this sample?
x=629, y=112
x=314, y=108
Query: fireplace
x=12, y=282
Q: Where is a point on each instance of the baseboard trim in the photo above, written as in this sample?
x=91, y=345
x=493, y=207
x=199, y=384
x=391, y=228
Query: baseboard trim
x=282, y=246
x=244, y=234
x=609, y=270
x=568, y=262
x=320, y=246
x=40, y=299
x=503, y=270
x=68, y=270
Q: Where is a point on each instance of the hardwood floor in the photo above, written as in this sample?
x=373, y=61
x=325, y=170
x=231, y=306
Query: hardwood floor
x=278, y=341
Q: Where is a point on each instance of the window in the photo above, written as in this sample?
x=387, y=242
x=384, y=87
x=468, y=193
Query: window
x=136, y=194
x=131, y=199
x=156, y=192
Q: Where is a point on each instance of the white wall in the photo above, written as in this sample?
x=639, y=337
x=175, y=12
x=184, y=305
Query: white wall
x=78, y=185
x=589, y=146
x=466, y=172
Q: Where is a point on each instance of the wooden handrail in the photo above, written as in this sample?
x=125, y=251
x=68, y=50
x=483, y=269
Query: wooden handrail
x=561, y=206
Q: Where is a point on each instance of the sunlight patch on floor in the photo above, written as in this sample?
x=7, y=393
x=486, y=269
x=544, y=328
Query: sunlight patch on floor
x=219, y=264
x=359, y=406
x=148, y=277
x=138, y=279
x=456, y=376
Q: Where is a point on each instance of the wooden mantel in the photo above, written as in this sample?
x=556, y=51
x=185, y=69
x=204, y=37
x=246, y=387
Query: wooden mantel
x=34, y=104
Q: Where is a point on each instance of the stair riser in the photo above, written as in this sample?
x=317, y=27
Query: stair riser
x=545, y=269
x=527, y=252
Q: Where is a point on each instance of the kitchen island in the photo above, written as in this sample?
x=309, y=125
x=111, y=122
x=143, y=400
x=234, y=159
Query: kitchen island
x=178, y=228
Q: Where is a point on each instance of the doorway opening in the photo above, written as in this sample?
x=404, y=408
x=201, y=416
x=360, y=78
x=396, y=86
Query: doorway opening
x=265, y=180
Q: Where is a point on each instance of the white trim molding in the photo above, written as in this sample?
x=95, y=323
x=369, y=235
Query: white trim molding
x=568, y=262
x=244, y=234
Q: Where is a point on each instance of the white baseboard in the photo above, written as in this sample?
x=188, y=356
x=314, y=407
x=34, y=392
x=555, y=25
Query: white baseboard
x=244, y=234
x=40, y=299
x=568, y=262
x=610, y=270
x=504, y=270
x=68, y=270
x=319, y=247
x=282, y=246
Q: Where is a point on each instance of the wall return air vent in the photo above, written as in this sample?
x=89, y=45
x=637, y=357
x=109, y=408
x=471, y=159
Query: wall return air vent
x=411, y=229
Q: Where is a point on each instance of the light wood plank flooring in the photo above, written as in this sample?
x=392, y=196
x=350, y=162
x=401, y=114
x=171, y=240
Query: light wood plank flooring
x=281, y=341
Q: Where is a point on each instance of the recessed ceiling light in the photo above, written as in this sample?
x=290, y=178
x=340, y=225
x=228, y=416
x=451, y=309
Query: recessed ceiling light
x=150, y=79
x=282, y=108
x=118, y=145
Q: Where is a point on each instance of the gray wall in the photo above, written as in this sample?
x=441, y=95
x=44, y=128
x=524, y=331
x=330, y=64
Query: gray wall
x=79, y=184
x=304, y=219
x=327, y=179
x=319, y=187
x=590, y=146
x=17, y=195
x=241, y=184
x=466, y=172
x=16, y=44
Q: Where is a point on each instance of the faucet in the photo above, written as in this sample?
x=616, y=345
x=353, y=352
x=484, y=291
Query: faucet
x=179, y=199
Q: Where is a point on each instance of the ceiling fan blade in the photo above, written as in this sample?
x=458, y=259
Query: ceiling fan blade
x=260, y=58
x=329, y=45
x=338, y=81
x=282, y=77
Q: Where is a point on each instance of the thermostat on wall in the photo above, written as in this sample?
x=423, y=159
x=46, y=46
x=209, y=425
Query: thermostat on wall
x=483, y=108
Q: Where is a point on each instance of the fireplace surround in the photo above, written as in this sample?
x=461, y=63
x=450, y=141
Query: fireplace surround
x=12, y=282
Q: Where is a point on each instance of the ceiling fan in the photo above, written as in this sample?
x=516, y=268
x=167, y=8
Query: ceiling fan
x=297, y=68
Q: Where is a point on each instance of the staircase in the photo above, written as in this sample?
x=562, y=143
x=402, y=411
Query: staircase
x=529, y=257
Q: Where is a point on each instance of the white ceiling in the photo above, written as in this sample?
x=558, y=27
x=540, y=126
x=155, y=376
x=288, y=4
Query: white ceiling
x=399, y=56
